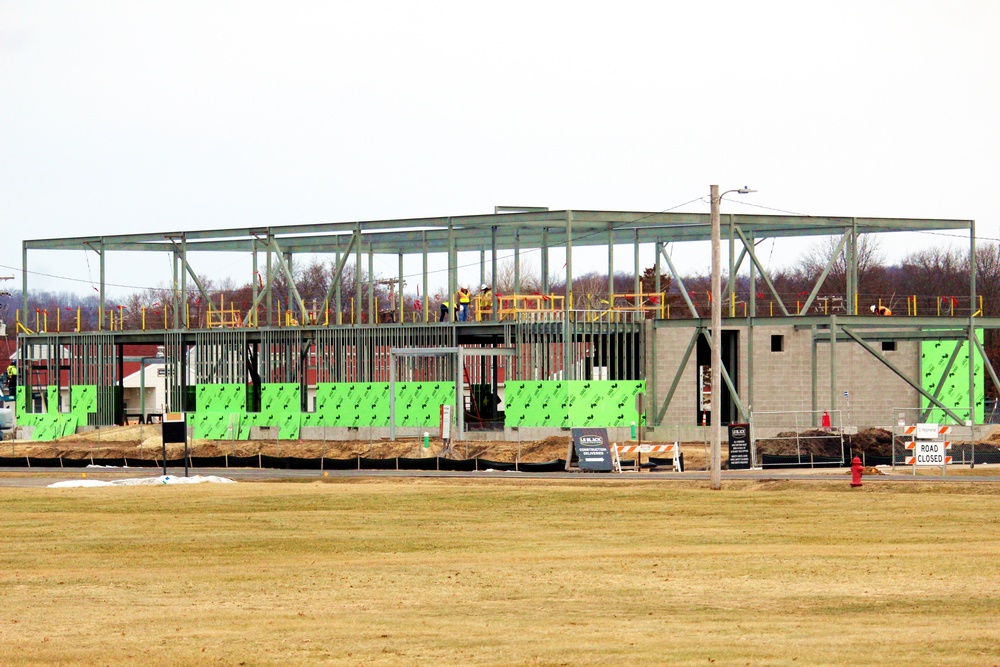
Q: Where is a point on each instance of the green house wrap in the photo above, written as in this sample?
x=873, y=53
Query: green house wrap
x=580, y=403
x=953, y=391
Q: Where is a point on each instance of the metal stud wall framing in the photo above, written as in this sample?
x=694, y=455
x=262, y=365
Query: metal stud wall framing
x=220, y=357
x=175, y=368
x=554, y=349
x=280, y=355
x=92, y=361
x=361, y=353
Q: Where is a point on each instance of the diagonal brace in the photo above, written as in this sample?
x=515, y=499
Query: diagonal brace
x=680, y=282
x=677, y=377
x=763, y=272
x=888, y=364
x=826, y=272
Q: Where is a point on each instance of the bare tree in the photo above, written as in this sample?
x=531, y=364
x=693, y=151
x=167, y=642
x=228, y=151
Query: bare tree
x=816, y=259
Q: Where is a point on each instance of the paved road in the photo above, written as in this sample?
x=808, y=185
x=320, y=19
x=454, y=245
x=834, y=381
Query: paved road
x=35, y=477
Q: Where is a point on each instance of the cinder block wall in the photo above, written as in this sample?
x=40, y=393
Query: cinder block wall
x=783, y=380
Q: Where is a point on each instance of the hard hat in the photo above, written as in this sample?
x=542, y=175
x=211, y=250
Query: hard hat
x=873, y=308
x=483, y=287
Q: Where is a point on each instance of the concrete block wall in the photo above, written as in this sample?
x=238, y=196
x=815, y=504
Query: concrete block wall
x=783, y=380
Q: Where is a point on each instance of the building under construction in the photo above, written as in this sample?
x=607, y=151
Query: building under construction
x=522, y=365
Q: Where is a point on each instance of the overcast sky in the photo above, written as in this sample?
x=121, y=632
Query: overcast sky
x=121, y=117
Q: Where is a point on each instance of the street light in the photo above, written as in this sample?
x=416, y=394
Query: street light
x=715, y=464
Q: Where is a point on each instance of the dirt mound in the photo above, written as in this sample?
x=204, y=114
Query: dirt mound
x=821, y=442
x=816, y=441
x=145, y=442
x=872, y=441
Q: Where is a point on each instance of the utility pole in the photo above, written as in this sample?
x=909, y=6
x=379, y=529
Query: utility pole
x=391, y=282
x=715, y=456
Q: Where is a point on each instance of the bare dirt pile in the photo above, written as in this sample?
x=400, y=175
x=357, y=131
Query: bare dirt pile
x=871, y=442
x=820, y=442
x=144, y=442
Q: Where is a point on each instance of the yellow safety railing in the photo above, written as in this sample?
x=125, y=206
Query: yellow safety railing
x=509, y=305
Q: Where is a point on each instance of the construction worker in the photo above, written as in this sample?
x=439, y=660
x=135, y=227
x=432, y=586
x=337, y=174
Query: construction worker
x=11, y=379
x=464, y=299
x=445, y=307
x=484, y=304
x=882, y=311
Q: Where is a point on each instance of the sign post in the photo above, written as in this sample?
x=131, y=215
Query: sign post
x=174, y=431
x=927, y=447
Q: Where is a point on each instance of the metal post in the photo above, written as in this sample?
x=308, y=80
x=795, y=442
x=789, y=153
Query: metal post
x=24, y=282
x=517, y=261
x=493, y=265
x=269, y=293
x=972, y=336
x=545, y=261
x=101, y=307
x=833, y=362
x=567, y=302
x=638, y=284
x=426, y=299
x=372, y=310
x=338, y=298
x=254, y=282
x=611, y=267
x=182, y=261
x=751, y=312
x=356, y=314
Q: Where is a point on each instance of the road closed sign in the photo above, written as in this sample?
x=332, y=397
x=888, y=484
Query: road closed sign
x=929, y=453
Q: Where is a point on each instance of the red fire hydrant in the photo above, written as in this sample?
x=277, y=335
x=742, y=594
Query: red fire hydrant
x=856, y=470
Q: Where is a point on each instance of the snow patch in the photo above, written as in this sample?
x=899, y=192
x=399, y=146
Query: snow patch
x=143, y=481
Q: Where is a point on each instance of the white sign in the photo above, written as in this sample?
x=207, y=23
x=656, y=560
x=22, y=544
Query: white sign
x=929, y=453
x=927, y=431
x=446, y=422
x=645, y=449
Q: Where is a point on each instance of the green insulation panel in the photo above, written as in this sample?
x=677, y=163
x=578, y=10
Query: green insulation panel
x=280, y=399
x=83, y=400
x=361, y=405
x=953, y=391
x=48, y=426
x=52, y=424
x=355, y=404
x=226, y=398
x=580, y=403
x=605, y=403
x=536, y=403
x=70, y=423
x=215, y=425
x=419, y=403
x=279, y=406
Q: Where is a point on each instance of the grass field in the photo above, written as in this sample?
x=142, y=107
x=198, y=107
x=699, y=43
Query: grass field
x=431, y=572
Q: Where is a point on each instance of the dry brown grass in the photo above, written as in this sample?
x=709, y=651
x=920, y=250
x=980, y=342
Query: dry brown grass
x=411, y=572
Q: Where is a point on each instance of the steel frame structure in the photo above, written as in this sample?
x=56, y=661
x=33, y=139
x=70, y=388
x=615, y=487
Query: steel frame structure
x=518, y=230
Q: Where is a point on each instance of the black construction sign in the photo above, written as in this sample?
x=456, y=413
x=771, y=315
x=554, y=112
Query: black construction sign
x=739, y=446
x=592, y=450
x=174, y=428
